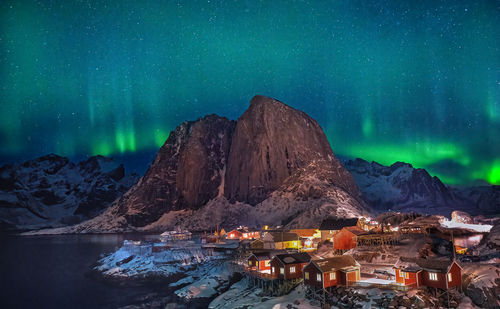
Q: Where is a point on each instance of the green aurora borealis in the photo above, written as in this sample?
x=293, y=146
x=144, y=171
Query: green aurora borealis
x=412, y=81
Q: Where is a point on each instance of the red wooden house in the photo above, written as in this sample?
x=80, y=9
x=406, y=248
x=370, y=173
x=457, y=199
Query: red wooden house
x=436, y=273
x=289, y=266
x=261, y=261
x=234, y=234
x=243, y=234
x=325, y=273
x=346, y=238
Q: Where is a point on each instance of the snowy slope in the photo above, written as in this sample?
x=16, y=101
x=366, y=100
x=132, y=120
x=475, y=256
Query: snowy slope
x=52, y=191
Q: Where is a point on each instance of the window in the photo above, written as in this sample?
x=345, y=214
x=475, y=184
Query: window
x=449, y=277
x=401, y=274
x=433, y=276
x=274, y=270
x=407, y=276
x=295, y=244
x=282, y=271
x=292, y=270
x=250, y=262
x=266, y=263
x=332, y=276
x=318, y=277
x=306, y=275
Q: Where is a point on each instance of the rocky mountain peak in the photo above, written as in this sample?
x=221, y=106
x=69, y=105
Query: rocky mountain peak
x=270, y=142
x=186, y=173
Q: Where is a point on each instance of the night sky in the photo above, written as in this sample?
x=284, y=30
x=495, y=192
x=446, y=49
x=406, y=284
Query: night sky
x=412, y=81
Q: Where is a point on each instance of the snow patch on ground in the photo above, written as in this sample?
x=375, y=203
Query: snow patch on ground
x=481, y=228
x=239, y=296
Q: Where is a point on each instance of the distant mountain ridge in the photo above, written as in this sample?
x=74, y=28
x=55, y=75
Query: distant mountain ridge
x=401, y=187
x=51, y=191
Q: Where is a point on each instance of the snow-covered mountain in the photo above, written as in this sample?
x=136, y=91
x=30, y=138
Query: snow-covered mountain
x=401, y=187
x=273, y=166
x=51, y=191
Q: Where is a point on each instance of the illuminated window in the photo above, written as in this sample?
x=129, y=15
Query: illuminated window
x=401, y=274
x=407, y=276
x=266, y=263
x=292, y=270
x=295, y=244
x=332, y=276
x=449, y=277
x=250, y=262
x=306, y=275
x=274, y=270
x=282, y=271
x=433, y=276
x=318, y=277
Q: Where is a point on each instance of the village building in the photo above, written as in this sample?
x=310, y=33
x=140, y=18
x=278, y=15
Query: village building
x=282, y=240
x=436, y=273
x=347, y=238
x=260, y=261
x=309, y=238
x=234, y=234
x=257, y=244
x=326, y=273
x=329, y=227
x=289, y=266
x=243, y=234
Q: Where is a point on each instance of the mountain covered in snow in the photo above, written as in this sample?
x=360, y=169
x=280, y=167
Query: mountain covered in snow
x=273, y=166
x=401, y=187
x=51, y=191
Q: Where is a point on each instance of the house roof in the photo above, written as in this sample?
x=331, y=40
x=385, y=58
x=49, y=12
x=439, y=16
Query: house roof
x=304, y=232
x=433, y=264
x=264, y=255
x=294, y=258
x=336, y=262
x=337, y=224
x=284, y=236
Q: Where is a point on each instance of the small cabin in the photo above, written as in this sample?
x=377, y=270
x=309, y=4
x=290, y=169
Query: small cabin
x=435, y=273
x=326, y=273
x=346, y=238
x=329, y=227
x=282, y=240
x=289, y=266
x=234, y=234
x=260, y=261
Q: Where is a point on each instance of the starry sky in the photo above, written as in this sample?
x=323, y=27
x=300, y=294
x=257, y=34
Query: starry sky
x=412, y=81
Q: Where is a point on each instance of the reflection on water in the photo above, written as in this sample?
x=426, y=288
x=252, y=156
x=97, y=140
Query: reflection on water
x=53, y=272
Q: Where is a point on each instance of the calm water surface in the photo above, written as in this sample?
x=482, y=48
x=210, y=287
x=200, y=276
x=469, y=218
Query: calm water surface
x=55, y=272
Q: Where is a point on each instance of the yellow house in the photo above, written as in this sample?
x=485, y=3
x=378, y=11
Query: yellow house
x=282, y=240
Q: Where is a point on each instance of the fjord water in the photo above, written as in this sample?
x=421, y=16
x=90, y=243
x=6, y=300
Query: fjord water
x=55, y=272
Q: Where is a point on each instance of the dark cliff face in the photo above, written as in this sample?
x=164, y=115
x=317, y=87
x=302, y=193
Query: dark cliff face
x=270, y=142
x=186, y=173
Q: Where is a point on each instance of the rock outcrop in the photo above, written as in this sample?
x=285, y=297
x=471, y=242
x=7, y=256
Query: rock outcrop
x=271, y=141
x=187, y=172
